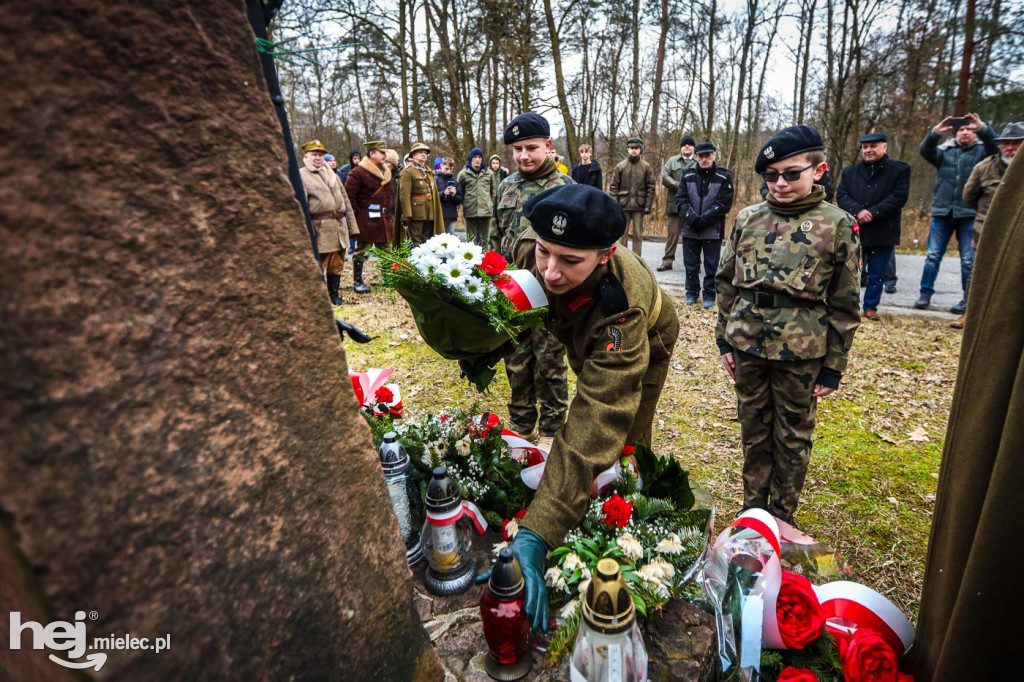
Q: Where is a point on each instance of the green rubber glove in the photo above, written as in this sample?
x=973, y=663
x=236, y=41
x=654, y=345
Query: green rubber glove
x=530, y=550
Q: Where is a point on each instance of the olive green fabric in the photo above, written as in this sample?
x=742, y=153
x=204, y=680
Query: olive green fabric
x=621, y=362
x=970, y=623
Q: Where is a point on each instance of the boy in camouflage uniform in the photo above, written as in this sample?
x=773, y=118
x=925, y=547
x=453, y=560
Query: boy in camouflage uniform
x=788, y=305
x=536, y=368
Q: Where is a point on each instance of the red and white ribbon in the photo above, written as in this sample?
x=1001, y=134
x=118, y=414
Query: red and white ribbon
x=467, y=508
x=847, y=606
x=366, y=384
x=522, y=288
x=531, y=475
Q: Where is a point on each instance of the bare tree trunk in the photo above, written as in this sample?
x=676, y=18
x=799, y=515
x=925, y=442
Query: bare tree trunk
x=417, y=110
x=404, y=75
x=635, y=84
x=960, y=108
x=748, y=38
x=659, y=70
x=563, y=102
x=807, y=61
x=709, y=126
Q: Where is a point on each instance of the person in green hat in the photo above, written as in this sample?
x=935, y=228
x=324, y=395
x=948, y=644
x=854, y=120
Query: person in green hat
x=331, y=212
x=369, y=188
x=632, y=185
x=419, y=205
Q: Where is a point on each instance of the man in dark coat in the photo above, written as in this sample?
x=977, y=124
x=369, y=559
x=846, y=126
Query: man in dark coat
x=370, y=189
x=970, y=625
x=704, y=197
x=954, y=160
x=588, y=171
x=874, y=191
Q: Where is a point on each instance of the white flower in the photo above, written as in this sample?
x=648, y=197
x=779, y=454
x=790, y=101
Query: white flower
x=569, y=609
x=473, y=288
x=572, y=562
x=469, y=253
x=553, y=578
x=498, y=546
x=670, y=545
x=462, y=446
x=454, y=273
x=658, y=575
x=512, y=528
x=631, y=546
x=428, y=264
x=443, y=242
x=583, y=585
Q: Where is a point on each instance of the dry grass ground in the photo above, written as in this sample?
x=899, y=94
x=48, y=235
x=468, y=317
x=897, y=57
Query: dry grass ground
x=871, y=485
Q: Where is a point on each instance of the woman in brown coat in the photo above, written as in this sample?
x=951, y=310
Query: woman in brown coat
x=369, y=187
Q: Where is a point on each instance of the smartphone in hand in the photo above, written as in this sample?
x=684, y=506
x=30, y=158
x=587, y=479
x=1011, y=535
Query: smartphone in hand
x=958, y=122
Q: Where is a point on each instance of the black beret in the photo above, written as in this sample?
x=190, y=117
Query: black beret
x=705, y=148
x=580, y=216
x=873, y=137
x=786, y=143
x=687, y=140
x=526, y=126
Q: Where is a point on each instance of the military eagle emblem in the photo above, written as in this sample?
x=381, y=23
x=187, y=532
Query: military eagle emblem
x=558, y=223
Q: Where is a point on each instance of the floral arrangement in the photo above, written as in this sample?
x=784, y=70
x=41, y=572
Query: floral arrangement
x=375, y=396
x=467, y=304
x=647, y=521
x=837, y=632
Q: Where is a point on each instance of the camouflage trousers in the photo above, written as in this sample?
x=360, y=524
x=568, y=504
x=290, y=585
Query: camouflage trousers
x=776, y=413
x=537, y=371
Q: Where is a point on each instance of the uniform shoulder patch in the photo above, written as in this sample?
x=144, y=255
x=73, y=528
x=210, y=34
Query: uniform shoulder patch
x=613, y=296
x=616, y=339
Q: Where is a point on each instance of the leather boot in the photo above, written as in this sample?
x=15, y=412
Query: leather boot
x=357, y=278
x=333, y=287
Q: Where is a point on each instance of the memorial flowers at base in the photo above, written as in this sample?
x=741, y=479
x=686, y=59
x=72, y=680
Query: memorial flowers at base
x=466, y=303
x=839, y=631
x=646, y=520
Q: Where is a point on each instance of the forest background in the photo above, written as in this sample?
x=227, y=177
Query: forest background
x=452, y=73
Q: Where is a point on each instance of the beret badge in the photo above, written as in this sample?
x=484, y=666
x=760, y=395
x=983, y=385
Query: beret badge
x=558, y=223
x=769, y=153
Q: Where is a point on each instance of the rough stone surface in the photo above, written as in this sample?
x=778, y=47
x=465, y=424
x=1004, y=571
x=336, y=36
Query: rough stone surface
x=181, y=448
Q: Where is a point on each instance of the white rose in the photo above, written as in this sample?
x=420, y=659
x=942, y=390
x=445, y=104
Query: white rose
x=631, y=546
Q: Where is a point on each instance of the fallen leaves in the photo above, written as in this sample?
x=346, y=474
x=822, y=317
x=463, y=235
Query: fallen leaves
x=918, y=435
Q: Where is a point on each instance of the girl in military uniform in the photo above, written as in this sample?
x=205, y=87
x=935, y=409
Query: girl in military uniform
x=418, y=201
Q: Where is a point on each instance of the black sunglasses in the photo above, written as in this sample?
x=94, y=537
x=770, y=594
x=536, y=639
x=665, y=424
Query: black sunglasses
x=790, y=175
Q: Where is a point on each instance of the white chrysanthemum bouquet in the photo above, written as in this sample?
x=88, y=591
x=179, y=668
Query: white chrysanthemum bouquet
x=467, y=304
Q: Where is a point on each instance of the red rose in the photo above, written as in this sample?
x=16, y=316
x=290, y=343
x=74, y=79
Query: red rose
x=383, y=395
x=628, y=451
x=617, y=511
x=798, y=611
x=791, y=674
x=867, y=657
x=493, y=264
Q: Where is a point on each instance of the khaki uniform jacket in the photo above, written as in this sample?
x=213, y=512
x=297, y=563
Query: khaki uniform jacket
x=633, y=185
x=618, y=360
x=671, y=173
x=418, y=198
x=813, y=259
x=326, y=194
x=366, y=188
x=478, y=192
x=981, y=187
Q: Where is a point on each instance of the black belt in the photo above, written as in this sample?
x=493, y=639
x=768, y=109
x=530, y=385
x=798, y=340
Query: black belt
x=769, y=299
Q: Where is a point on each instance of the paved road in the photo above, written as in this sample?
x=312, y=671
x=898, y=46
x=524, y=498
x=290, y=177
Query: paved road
x=908, y=268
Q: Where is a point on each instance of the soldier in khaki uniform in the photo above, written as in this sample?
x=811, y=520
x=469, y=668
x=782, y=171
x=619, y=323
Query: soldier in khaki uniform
x=788, y=305
x=671, y=173
x=536, y=368
x=333, y=218
x=619, y=328
x=418, y=201
x=632, y=184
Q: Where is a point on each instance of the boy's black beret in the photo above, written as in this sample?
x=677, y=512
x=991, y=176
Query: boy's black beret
x=580, y=216
x=526, y=126
x=786, y=143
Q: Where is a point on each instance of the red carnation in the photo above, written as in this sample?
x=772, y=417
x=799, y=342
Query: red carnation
x=867, y=657
x=383, y=395
x=493, y=263
x=798, y=611
x=791, y=674
x=628, y=450
x=617, y=511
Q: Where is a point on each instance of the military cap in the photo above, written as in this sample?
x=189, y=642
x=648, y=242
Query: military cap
x=416, y=146
x=635, y=140
x=377, y=145
x=579, y=216
x=687, y=140
x=873, y=137
x=526, y=126
x=1014, y=131
x=786, y=143
x=313, y=146
x=705, y=148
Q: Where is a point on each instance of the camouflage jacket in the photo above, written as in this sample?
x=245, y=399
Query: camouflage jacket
x=614, y=357
x=512, y=194
x=806, y=272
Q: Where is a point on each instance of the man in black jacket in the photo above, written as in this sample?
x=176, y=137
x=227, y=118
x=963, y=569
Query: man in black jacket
x=587, y=171
x=704, y=198
x=874, y=191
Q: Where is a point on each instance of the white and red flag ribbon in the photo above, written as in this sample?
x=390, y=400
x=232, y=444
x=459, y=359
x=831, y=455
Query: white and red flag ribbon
x=467, y=508
x=522, y=288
